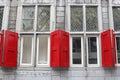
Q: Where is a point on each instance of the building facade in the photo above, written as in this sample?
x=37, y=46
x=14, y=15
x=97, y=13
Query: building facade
x=34, y=20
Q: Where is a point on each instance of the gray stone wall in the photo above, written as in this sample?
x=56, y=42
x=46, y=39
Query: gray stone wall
x=83, y=73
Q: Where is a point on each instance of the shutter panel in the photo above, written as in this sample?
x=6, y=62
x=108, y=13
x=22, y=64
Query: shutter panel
x=65, y=49
x=108, y=54
x=10, y=49
x=59, y=56
x=54, y=52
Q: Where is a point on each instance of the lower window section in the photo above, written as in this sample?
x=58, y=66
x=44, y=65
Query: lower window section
x=42, y=49
x=118, y=49
x=76, y=51
x=26, y=50
x=92, y=50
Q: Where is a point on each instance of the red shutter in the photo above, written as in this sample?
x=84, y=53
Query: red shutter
x=59, y=56
x=0, y=50
x=108, y=48
x=10, y=49
x=54, y=52
x=64, y=49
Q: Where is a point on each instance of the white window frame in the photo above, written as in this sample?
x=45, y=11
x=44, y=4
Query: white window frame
x=84, y=32
x=71, y=53
x=35, y=33
x=48, y=52
x=98, y=51
x=21, y=53
x=68, y=18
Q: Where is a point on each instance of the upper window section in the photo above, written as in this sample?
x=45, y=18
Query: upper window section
x=116, y=1
x=85, y=1
x=28, y=18
x=1, y=16
x=42, y=20
x=76, y=18
x=91, y=19
x=116, y=18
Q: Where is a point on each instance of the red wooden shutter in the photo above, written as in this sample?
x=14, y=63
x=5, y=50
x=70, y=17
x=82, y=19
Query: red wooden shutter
x=0, y=50
x=54, y=52
x=64, y=49
x=59, y=56
x=108, y=48
x=10, y=49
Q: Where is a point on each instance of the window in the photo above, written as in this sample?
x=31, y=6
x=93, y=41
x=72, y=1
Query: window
x=1, y=16
x=92, y=50
x=37, y=21
x=84, y=21
x=114, y=12
x=77, y=51
x=118, y=49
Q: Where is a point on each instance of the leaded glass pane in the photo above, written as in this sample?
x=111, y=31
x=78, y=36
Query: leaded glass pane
x=43, y=22
x=92, y=50
x=118, y=48
x=116, y=18
x=76, y=18
x=28, y=12
x=27, y=50
x=91, y=19
x=27, y=25
x=28, y=18
x=76, y=50
x=1, y=16
x=43, y=50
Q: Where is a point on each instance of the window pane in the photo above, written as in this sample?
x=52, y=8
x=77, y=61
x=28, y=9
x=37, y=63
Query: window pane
x=76, y=50
x=28, y=12
x=91, y=19
x=27, y=50
x=116, y=18
x=43, y=19
x=43, y=50
x=28, y=25
x=76, y=18
x=92, y=50
x=1, y=16
x=28, y=19
x=118, y=48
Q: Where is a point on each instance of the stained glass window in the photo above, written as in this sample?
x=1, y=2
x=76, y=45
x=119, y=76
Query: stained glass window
x=43, y=19
x=116, y=18
x=91, y=19
x=76, y=18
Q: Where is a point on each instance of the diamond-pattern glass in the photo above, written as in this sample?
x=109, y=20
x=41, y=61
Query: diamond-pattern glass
x=28, y=19
x=43, y=22
x=1, y=16
x=76, y=18
x=91, y=19
x=116, y=18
